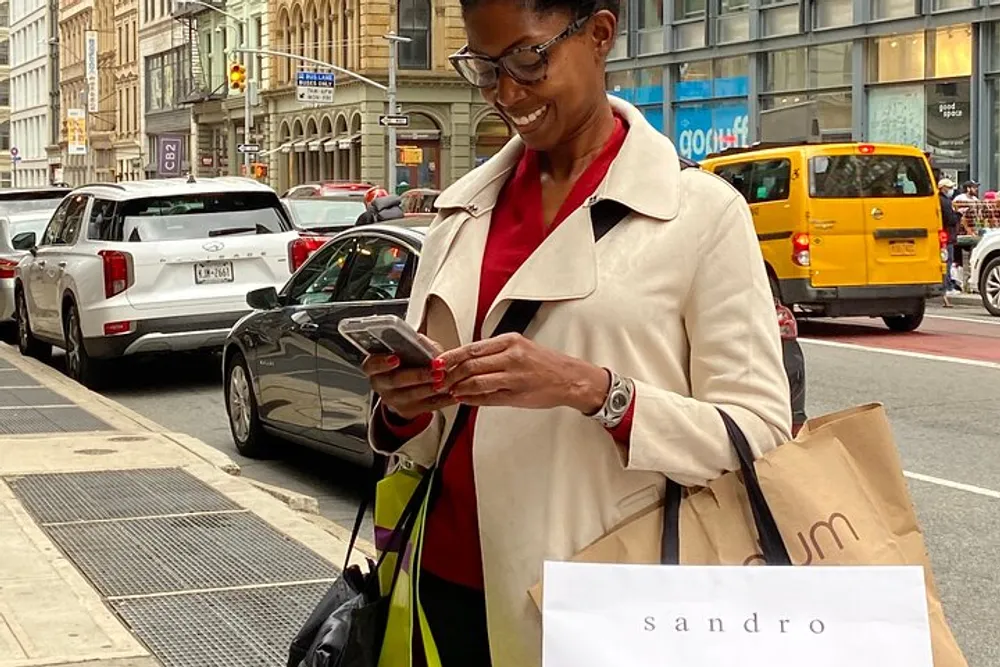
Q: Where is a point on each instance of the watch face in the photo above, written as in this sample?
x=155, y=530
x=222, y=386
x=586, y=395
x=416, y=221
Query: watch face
x=619, y=401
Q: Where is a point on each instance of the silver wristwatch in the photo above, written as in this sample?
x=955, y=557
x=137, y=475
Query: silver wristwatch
x=616, y=404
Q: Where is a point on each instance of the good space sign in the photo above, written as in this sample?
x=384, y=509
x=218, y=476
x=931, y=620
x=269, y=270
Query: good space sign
x=694, y=616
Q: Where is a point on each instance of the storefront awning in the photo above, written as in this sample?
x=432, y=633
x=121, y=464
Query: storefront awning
x=342, y=143
x=300, y=145
x=284, y=148
x=316, y=144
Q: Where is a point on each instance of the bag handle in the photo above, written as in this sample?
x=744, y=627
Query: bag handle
x=771, y=543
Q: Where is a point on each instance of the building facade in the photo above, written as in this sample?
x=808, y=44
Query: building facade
x=450, y=129
x=30, y=78
x=714, y=73
x=168, y=66
x=127, y=141
x=76, y=18
x=6, y=175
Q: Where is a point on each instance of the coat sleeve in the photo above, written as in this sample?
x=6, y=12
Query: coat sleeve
x=735, y=363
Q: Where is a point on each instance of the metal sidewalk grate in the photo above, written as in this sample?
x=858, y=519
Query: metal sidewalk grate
x=189, y=552
x=35, y=421
x=115, y=494
x=12, y=377
x=249, y=628
x=29, y=397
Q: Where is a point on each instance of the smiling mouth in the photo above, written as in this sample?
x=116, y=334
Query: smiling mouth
x=528, y=120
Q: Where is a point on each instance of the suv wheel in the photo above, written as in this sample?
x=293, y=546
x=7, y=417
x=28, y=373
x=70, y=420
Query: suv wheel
x=79, y=365
x=989, y=286
x=905, y=323
x=241, y=406
x=26, y=342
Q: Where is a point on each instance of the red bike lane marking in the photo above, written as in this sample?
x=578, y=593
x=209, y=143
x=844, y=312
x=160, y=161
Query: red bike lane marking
x=945, y=338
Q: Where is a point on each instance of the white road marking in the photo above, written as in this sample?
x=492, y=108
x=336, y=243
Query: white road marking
x=902, y=353
x=978, y=490
x=975, y=320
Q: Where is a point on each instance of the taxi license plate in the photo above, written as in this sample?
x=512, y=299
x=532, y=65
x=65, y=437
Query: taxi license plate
x=208, y=273
x=902, y=248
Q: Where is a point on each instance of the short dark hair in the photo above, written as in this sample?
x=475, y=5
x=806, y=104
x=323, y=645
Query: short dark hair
x=576, y=8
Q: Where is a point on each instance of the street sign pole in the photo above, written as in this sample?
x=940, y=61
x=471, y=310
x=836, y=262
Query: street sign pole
x=247, y=57
x=394, y=41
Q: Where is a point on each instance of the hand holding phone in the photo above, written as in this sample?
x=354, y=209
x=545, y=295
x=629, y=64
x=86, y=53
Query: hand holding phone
x=411, y=385
x=388, y=335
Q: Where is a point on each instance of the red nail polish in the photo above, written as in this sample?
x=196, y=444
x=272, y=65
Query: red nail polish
x=437, y=377
x=438, y=364
x=393, y=360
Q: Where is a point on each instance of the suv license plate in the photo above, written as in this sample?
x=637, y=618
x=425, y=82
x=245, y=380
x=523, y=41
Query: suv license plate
x=208, y=273
x=902, y=248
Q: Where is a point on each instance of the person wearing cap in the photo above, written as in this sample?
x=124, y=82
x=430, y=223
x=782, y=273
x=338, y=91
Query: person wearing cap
x=949, y=221
x=969, y=193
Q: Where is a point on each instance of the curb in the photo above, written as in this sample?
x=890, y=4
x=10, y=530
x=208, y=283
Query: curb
x=343, y=534
x=296, y=501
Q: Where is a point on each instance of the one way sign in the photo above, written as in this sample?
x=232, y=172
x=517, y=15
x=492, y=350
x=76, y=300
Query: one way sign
x=248, y=148
x=394, y=121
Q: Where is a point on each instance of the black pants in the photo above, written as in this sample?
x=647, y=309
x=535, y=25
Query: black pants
x=457, y=618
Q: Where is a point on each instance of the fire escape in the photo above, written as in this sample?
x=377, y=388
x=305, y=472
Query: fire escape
x=197, y=85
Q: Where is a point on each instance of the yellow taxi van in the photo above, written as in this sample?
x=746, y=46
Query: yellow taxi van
x=848, y=229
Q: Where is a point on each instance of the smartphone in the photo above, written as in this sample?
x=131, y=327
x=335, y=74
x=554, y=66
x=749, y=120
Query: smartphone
x=387, y=334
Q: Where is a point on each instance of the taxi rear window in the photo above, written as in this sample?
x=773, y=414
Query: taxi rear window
x=878, y=176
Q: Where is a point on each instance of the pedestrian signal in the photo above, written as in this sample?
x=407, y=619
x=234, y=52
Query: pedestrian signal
x=237, y=77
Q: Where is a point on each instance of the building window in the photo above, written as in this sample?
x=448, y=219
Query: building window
x=167, y=77
x=5, y=136
x=897, y=58
x=620, y=48
x=830, y=65
x=785, y=70
x=415, y=23
x=791, y=116
x=689, y=20
x=711, y=111
x=952, y=51
x=780, y=17
x=4, y=52
x=650, y=26
x=893, y=9
x=643, y=88
x=4, y=92
x=734, y=21
x=948, y=5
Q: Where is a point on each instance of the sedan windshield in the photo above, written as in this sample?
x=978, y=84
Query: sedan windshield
x=322, y=212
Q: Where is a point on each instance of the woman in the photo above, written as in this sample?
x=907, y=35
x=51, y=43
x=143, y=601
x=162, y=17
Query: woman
x=671, y=309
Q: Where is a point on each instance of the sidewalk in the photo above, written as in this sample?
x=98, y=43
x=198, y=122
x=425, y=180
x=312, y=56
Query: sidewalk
x=127, y=546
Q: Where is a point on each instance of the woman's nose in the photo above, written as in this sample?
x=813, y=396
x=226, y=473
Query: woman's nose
x=508, y=93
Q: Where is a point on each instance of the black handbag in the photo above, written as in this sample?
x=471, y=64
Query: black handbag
x=772, y=546
x=347, y=627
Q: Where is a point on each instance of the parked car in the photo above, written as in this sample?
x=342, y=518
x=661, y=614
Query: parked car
x=327, y=214
x=18, y=234
x=150, y=266
x=327, y=188
x=289, y=375
x=30, y=200
x=984, y=264
x=420, y=200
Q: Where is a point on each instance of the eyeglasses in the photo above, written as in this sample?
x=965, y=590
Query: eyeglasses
x=525, y=64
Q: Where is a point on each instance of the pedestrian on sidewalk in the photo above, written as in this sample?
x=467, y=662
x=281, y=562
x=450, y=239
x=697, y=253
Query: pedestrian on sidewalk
x=616, y=384
x=950, y=221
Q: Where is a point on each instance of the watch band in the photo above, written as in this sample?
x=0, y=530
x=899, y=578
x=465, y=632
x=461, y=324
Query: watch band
x=616, y=404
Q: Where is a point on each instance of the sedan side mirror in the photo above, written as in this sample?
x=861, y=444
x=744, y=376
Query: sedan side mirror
x=24, y=241
x=265, y=298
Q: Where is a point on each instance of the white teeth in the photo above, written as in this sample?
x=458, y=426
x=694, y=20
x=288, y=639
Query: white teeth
x=521, y=121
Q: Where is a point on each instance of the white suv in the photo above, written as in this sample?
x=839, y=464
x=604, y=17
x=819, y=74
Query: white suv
x=150, y=266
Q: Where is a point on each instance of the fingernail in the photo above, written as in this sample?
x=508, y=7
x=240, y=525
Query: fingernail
x=438, y=364
x=393, y=360
x=437, y=377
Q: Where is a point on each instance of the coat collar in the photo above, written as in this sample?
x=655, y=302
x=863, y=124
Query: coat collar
x=645, y=177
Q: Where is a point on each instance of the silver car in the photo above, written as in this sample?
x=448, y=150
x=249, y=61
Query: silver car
x=19, y=233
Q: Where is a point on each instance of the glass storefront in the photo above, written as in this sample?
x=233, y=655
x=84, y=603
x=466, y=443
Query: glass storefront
x=710, y=110
x=643, y=88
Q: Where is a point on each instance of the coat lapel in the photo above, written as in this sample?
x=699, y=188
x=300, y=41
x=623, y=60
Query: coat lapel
x=645, y=177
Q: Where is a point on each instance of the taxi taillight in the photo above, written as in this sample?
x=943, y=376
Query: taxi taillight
x=800, y=249
x=866, y=149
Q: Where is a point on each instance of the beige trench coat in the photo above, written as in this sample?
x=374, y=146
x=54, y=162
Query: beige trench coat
x=675, y=297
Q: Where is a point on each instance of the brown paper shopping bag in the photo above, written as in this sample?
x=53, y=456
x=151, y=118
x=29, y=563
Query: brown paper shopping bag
x=838, y=495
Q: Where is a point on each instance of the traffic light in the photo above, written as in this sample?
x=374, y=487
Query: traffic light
x=237, y=77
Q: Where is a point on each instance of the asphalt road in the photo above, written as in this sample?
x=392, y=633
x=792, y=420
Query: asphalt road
x=943, y=410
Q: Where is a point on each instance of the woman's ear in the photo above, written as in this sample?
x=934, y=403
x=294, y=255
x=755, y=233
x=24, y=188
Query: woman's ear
x=604, y=29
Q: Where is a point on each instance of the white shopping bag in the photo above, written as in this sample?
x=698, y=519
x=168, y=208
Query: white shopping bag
x=598, y=615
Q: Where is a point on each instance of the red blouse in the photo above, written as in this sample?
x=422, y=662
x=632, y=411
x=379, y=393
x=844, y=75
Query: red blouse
x=451, y=547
